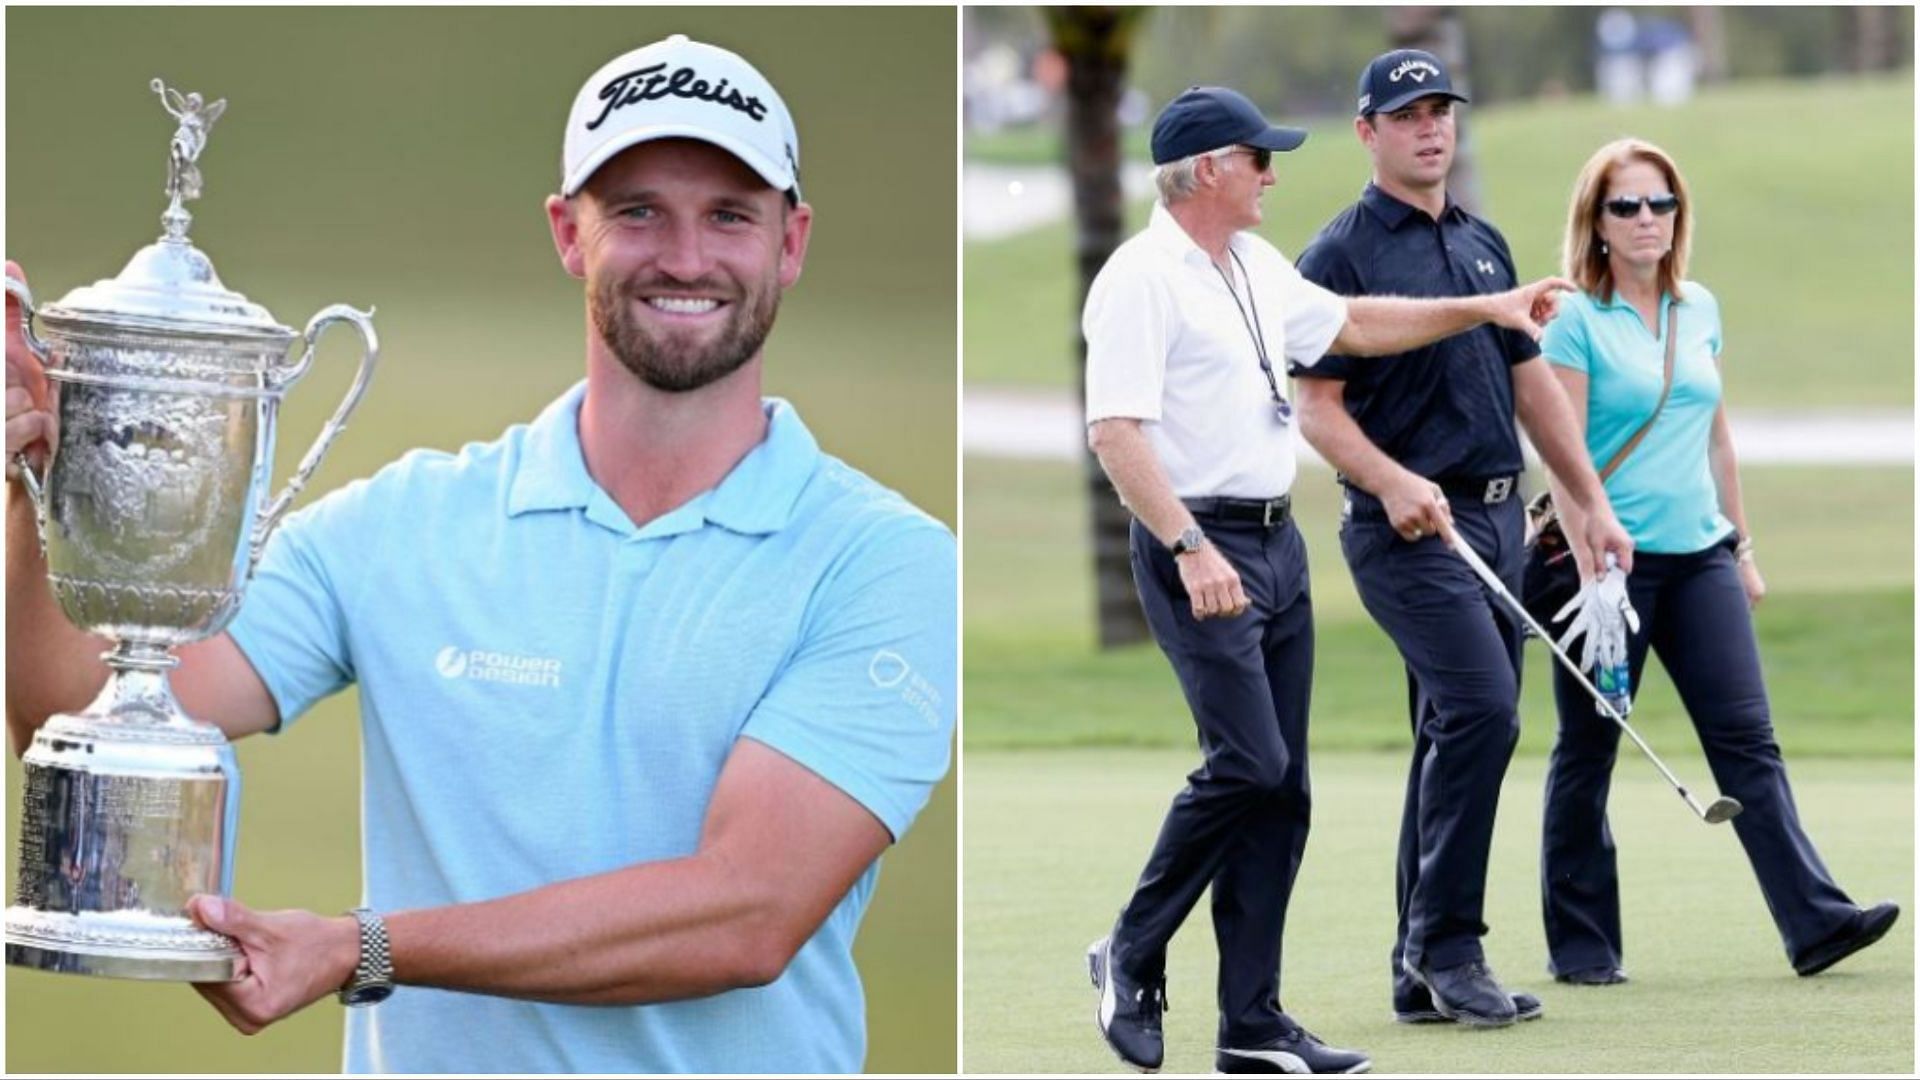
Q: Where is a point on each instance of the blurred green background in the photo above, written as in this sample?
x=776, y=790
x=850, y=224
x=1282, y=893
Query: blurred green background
x=399, y=158
x=1794, y=242
x=1804, y=192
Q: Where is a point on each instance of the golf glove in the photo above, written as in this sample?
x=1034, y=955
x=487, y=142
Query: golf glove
x=1604, y=616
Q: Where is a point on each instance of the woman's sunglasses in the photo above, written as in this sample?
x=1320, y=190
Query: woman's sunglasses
x=1627, y=208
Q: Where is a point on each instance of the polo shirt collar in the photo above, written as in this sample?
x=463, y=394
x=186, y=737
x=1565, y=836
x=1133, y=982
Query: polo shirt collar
x=760, y=494
x=1393, y=213
x=1613, y=301
x=757, y=496
x=552, y=472
x=1175, y=241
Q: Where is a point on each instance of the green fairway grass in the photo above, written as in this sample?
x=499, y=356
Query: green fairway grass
x=1054, y=840
x=1073, y=754
x=1836, y=632
x=1808, y=249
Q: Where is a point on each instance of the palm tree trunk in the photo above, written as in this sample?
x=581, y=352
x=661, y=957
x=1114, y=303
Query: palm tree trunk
x=1095, y=42
x=1440, y=31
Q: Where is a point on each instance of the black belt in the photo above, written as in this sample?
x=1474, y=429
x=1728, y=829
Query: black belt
x=1491, y=490
x=1268, y=512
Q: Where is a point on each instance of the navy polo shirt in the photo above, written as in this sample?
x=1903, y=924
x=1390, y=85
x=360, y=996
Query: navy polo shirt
x=1444, y=411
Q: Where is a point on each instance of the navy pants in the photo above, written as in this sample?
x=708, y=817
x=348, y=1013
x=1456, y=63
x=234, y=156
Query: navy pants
x=1462, y=654
x=1240, y=824
x=1693, y=613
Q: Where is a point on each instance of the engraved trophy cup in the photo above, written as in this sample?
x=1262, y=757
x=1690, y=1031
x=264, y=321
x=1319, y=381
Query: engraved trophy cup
x=152, y=516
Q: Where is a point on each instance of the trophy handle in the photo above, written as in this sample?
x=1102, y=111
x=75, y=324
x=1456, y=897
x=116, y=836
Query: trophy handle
x=36, y=487
x=362, y=321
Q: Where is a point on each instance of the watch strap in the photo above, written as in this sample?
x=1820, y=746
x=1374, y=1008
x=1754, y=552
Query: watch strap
x=372, y=978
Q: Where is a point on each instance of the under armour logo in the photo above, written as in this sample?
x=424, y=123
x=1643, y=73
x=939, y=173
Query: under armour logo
x=1485, y=266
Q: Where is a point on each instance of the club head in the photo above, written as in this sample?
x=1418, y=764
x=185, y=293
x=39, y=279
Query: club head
x=1723, y=808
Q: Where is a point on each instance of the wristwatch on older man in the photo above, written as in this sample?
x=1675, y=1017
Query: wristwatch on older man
x=1190, y=540
x=372, y=981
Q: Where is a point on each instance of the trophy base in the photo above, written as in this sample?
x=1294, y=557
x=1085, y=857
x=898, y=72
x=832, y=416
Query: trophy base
x=142, y=947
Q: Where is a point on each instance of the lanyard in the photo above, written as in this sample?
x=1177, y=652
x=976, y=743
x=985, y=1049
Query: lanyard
x=1282, y=408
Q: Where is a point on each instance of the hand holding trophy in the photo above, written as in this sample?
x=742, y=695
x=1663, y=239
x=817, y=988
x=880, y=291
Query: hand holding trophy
x=153, y=513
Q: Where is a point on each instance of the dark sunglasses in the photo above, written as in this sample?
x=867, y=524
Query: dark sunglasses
x=1625, y=208
x=1262, y=159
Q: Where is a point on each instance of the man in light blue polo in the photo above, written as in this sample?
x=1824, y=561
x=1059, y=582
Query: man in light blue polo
x=647, y=686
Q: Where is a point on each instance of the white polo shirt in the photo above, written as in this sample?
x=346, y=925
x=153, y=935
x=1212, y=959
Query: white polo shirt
x=1167, y=345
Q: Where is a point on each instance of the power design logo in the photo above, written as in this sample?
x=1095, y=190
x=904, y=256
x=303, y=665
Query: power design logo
x=485, y=665
x=452, y=661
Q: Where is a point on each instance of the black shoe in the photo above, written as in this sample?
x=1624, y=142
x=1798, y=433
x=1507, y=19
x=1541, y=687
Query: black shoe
x=1127, y=1015
x=1416, y=1007
x=1593, y=976
x=1865, y=928
x=1298, y=1051
x=1466, y=993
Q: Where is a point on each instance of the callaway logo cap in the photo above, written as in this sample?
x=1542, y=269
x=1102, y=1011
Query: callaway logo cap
x=681, y=89
x=1393, y=79
x=1209, y=117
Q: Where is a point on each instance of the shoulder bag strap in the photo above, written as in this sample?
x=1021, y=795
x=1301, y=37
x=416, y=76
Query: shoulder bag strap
x=1666, y=387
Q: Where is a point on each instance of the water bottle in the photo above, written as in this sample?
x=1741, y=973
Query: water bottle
x=1614, y=681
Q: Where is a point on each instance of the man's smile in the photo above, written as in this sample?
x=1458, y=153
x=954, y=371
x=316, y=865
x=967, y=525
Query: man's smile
x=683, y=307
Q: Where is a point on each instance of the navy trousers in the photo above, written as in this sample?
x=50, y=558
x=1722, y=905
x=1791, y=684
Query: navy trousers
x=1240, y=824
x=1693, y=613
x=1461, y=649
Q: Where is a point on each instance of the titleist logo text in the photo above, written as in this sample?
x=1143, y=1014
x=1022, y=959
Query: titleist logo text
x=649, y=84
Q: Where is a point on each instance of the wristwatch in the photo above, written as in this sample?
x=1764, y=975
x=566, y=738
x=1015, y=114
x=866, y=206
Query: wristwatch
x=372, y=981
x=1190, y=540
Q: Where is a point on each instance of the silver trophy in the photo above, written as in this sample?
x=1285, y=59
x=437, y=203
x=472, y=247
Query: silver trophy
x=152, y=516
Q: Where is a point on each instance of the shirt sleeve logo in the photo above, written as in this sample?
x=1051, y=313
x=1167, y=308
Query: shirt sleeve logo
x=1485, y=265
x=889, y=670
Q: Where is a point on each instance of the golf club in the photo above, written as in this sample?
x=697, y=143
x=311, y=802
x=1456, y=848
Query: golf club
x=1723, y=808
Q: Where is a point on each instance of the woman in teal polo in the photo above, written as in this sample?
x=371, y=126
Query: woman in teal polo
x=1695, y=578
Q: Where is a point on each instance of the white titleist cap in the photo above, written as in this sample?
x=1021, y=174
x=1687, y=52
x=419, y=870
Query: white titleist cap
x=681, y=89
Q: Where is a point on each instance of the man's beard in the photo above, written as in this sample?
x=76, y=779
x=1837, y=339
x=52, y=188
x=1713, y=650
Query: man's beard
x=669, y=361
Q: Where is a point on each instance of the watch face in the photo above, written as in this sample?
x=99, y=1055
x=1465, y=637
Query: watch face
x=369, y=995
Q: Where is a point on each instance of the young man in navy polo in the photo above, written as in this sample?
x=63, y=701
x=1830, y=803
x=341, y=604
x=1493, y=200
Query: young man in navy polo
x=1424, y=443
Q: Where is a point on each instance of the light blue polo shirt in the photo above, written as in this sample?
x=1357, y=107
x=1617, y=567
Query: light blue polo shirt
x=548, y=692
x=1663, y=493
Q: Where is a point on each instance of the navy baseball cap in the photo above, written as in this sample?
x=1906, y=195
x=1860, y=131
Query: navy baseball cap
x=1209, y=117
x=1393, y=79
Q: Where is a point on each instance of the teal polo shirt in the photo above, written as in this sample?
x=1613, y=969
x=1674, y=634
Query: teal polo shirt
x=1663, y=493
x=548, y=691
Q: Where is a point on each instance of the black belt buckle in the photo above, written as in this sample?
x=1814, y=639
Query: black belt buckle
x=1499, y=489
x=1270, y=509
